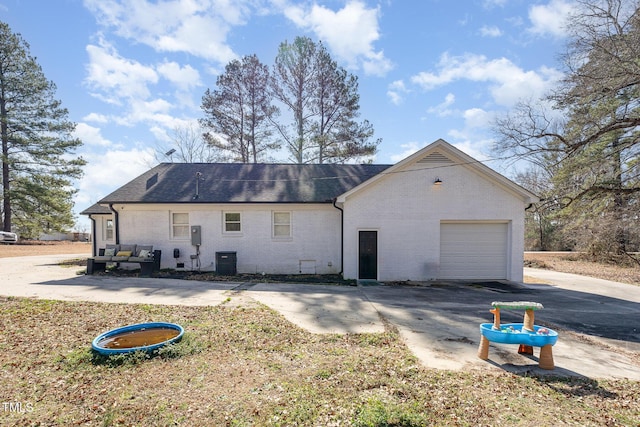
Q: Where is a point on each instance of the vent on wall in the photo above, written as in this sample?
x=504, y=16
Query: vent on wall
x=436, y=157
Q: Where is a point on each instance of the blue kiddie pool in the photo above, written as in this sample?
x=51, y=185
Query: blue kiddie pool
x=512, y=333
x=139, y=337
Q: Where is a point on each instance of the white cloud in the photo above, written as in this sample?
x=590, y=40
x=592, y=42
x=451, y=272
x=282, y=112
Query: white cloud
x=155, y=111
x=550, y=19
x=470, y=136
x=350, y=33
x=396, y=92
x=199, y=28
x=489, y=4
x=96, y=118
x=91, y=135
x=475, y=149
x=130, y=84
x=508, y=83
x=443, y=109
x=490, y=31
x=185, y=78
x=115, y=77
x=477, y=118
x=107, y=171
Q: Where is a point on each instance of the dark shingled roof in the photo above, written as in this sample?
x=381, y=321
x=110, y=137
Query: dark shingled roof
x=243, y=183
x=96, y=209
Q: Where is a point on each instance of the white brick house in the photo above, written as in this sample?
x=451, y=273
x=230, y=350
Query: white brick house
x=438, y=214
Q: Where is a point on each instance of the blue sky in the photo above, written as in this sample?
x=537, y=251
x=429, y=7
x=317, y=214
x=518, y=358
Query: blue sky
x=131, y=71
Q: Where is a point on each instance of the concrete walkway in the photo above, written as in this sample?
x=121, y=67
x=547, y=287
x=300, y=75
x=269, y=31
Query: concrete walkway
x=598, y=321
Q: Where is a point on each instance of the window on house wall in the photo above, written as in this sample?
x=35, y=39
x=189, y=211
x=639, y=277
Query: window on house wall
x=179, y=225
x=232, y=222
x=108, y=229
x=282, y=224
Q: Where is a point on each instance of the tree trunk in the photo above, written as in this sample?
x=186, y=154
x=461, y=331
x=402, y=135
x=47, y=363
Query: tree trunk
x=619, y=202
x=6, y=185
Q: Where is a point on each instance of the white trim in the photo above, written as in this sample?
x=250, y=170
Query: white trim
x=273, y=226
x=224, y=223
x=172, y=226
x=105, y=229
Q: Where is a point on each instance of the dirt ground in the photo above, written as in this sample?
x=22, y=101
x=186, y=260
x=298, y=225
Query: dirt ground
x=44, y=248
x=241, y=365
x=568, y=262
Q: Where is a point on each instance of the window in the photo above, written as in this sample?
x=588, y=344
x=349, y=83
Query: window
x=232, y=222
x=282, y=224
x=108, y=229
x=180, y=225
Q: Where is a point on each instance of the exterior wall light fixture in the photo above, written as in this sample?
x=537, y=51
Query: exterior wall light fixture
x=438, y=181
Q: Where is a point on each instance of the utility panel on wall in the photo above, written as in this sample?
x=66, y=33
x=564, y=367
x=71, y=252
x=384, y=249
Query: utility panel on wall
x=196, y=235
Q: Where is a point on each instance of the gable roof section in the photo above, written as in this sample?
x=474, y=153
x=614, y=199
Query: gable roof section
x=242, y=183
x=96, y=209
x=442, y=154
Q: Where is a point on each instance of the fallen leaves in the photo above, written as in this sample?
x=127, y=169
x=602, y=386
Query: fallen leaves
x=247, y=365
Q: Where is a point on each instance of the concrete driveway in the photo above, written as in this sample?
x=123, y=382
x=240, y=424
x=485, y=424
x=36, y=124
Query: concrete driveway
x=598, y=321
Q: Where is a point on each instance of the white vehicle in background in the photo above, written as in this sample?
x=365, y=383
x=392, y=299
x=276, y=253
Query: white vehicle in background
x=8, y=237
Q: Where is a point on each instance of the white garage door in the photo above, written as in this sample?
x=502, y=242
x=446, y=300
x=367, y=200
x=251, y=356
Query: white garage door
x=474, y=250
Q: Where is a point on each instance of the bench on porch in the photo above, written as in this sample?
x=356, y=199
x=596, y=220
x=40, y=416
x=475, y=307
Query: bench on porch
x=144, y=255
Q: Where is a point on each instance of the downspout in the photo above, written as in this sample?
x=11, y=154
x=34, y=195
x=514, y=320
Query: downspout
x=116, y=223
x=94, y=247
x=341, y=236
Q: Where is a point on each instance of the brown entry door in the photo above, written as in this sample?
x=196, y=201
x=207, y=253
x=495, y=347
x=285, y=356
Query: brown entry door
x=368, y=255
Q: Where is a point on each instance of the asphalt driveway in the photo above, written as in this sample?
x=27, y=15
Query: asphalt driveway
x=598, y=321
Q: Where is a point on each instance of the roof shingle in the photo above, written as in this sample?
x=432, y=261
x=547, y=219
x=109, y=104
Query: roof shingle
x=242, y=183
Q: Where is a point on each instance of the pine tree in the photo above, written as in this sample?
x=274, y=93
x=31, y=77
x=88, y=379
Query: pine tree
x=336, y=135
x=238, y=113
x=324, y=102
x=38, y=162
x=294, y=85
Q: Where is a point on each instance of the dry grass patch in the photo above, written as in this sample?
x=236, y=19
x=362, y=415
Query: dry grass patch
x=576, y=263
x=33, y=247
x=245, y=365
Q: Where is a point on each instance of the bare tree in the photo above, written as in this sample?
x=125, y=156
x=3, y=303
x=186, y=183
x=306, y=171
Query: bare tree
x=591, y=134
x=188, y=146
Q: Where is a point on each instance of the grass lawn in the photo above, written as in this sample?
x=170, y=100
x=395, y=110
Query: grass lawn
x=242, y=364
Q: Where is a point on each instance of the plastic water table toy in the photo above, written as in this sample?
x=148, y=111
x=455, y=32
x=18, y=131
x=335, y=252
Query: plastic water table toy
x=526, y=334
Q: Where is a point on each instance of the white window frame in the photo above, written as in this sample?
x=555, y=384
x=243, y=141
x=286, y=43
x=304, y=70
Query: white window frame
x=184, y=226
x=279, y=224
x=107, y=229
x=226, y=222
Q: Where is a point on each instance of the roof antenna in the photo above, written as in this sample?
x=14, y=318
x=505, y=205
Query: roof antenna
x=198, y=179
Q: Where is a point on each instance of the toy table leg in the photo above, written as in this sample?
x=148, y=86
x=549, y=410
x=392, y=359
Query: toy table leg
x=483, y=350
x=528, y=320
x=546, y=357
x=525, y=349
